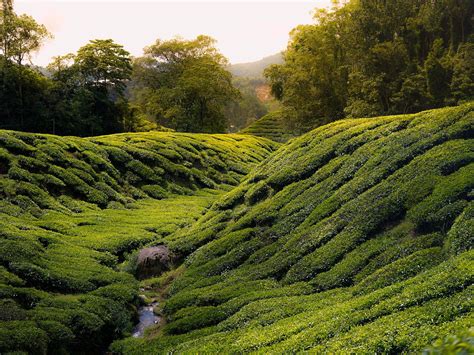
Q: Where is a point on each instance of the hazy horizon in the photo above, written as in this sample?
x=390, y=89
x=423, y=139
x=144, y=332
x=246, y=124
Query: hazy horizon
x=246, y=31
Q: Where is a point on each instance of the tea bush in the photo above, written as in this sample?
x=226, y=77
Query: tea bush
x=353, y=238
x=72, y=209
x=271, y=126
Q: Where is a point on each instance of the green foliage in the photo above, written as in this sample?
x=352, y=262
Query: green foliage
x=462, y=83
x=271, y=126
x=104, y=63
x=355, y=237
x=20, y=36
x=184, y=85
x=71, y=213
x=249, y=107
x=369, y=58
x=88, y=89
x=23, y=337
x=453, y=344
x=23, y=97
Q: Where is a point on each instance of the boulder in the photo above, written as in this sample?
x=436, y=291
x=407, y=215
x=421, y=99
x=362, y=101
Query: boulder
x=153, y=261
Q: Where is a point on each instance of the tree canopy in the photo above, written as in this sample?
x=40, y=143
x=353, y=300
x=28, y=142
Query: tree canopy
x=104, y=63
x=362, y=58
x=88, y=89
x=373, y=57
x=20, y=35
x=183, y=84
x=22, y=90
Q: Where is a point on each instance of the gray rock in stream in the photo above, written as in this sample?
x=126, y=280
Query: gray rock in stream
x=153, y=261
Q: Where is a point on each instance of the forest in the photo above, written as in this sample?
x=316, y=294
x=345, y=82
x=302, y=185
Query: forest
x=371, y=58
x=181, y=84
x=360, y=59
x=319, y=200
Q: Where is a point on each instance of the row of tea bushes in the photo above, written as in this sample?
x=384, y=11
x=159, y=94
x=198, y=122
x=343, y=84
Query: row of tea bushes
x=356, y=237
x=71, y=210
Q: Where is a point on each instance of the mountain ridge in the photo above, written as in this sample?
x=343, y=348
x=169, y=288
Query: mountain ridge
x=255, y=69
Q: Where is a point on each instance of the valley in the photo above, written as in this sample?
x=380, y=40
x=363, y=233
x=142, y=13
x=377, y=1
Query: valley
x=356, y=236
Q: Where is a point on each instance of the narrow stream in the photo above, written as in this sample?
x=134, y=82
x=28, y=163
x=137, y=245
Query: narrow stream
x=146, y=319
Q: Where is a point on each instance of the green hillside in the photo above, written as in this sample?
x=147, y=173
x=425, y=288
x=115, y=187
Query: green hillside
x=270, y=126
x=72, y=210
x=356, y=237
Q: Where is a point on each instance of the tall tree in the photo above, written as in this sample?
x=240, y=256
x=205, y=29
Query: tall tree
x=184, y=84
x=376, y=57
x=88, y=90
x=104, y=63
x=20, y=37
x=312, y=83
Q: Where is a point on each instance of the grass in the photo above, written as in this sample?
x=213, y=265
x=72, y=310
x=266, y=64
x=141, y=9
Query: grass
x=73, y=212
x=356, y=237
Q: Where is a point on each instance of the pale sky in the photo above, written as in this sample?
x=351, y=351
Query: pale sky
x=245, y=30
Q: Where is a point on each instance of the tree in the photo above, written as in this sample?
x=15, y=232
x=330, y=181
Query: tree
x=104, y=63
x=24, y=98
x=184, y=85
x=88, y=90
x=375, y=57
x=6, y=12
x=249, y=107
x=438, y=73
x=462, y=84
x=312, y=83
x=21, y=36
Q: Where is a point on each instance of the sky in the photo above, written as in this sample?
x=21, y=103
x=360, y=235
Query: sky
x=245, y=30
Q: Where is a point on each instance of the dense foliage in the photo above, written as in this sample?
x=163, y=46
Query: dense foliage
x=356, y=237
x=83, y=95
x=184, y=85
x=372, y=57
x=71, y=209
x=87, y=90
x=20, y=35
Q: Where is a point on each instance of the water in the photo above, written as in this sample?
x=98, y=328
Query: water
x=146, y=319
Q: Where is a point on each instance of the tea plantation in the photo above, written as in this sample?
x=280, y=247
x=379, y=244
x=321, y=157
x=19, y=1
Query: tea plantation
x=72, y=212
x=354, y=238
x=270, y=126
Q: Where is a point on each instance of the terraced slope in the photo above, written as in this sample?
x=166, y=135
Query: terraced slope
x=356, y=237
x=72, y=209
x=269, y=126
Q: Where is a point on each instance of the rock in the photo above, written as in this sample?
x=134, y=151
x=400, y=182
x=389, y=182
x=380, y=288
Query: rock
x=153, y=261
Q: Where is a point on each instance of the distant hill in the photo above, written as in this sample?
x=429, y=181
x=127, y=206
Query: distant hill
x=255, y=69
x=270, y=126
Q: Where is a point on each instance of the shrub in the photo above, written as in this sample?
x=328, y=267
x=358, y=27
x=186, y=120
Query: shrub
x=453, y=344
x=155, y=191
x=23, y=336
